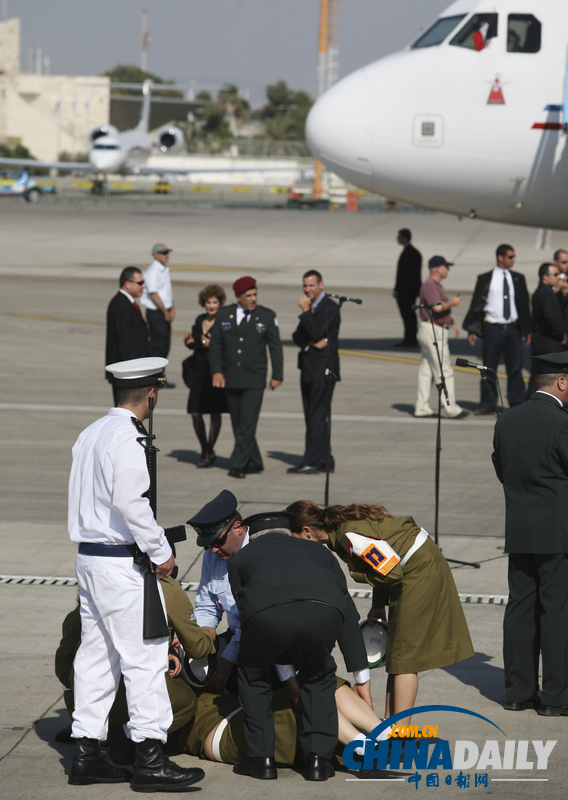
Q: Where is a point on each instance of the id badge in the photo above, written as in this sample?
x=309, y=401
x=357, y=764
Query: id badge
x=377, y=553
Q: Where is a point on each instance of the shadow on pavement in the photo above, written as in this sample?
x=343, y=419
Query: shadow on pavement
x=192, y=457
x=477, y=672
x=287, y=458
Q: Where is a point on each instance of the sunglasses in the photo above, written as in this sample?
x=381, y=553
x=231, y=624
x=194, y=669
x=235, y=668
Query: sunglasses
x=221, y=540
x=139, y=283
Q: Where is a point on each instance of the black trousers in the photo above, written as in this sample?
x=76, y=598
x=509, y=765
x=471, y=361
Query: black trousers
x=244, y=408
x=316, y=397
x=536, y=621
x=506, y=341
x=307, y=630
x=405, y=303
x=160, y=333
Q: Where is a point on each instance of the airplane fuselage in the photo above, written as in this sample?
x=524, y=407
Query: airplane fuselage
x=456, y=129
x=120, y=152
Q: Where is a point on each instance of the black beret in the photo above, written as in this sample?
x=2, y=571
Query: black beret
x=550, y=364
x=267, y=520
x=213, y=517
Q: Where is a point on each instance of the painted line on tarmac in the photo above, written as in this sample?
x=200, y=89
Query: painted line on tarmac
x=414, y=361
x=178, y=412
x=192, y=586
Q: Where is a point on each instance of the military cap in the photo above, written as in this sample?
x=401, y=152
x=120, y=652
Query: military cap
x=210, y=521
x=551, y=363
x=138, y=372
x=244, y=284
x=267, y=520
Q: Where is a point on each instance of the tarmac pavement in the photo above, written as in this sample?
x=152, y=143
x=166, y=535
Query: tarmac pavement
x=60, y=267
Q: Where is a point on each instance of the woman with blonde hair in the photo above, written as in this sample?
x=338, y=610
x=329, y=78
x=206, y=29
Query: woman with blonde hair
x=204, y=398
x=426, y=624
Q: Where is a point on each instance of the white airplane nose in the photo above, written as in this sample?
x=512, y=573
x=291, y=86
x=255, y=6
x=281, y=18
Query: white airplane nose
x=339, y=129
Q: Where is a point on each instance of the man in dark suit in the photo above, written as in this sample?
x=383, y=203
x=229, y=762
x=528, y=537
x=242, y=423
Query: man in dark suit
x=293, y=601
x=500, y=315
x=238, y=363
x=548, y=327
x=317, y=337
x=531, y=461
x=407, y=286
x=127, y=331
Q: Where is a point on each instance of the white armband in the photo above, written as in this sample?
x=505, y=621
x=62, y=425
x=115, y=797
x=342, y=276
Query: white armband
x=362, y=675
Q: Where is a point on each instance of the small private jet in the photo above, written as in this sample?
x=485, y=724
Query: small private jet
x=471, y=118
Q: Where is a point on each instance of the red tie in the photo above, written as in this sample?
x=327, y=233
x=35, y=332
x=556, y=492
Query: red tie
x=137, y=307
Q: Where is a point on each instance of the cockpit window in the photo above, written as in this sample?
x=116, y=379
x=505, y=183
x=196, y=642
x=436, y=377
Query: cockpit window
x=476, y=32
x=439, y=31
x=105, y=147
x=523, y=34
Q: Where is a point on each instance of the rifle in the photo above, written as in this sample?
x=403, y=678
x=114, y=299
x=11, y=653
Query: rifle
x=155, y=625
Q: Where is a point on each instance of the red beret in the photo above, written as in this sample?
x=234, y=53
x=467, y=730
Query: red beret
x=244, y=284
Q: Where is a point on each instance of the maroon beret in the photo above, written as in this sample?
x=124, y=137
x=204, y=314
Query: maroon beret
x=244, y=284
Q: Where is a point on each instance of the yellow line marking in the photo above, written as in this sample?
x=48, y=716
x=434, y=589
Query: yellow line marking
x=408, y=361
x=51, y=319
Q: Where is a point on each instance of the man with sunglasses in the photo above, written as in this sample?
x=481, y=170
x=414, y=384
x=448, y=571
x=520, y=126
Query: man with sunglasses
x=220, y=531
x=548, y=327
x=127, y=331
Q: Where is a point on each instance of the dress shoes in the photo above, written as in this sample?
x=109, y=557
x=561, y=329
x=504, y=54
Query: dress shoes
x=254, y=470
x=551, y=711
x=482, y=411
x=236, y=473
x=318, y=768
x=303, y=469
x=91, y=765
x=154, y=772
x=263, y=768
x=512, y=706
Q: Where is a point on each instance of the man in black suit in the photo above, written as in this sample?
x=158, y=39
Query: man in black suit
x=317, y=337
x=500, y=315
x=407, y=286
x=127, y=331
x=548, y=327
x=531, y=461
x=293, y=601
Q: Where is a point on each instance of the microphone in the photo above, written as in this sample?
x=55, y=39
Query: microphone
x=345, y=299
x=416, y=306
x=462, y=362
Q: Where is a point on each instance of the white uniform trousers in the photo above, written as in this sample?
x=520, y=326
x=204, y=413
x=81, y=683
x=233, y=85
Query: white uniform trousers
x=111, y=591
x=429, y=371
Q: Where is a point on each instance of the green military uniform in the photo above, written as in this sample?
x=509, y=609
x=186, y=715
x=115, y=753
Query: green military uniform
x=196, y=642
x=212, y=709
x=427, y=627
x=531, y=461
x=239, y=352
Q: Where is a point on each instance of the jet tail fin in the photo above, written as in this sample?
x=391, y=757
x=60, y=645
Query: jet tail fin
x=145, y=112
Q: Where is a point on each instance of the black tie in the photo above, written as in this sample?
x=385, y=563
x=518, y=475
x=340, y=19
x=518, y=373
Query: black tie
x=506, y=299
x=244, y=319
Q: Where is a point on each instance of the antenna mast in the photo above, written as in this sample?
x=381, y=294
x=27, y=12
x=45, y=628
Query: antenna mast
x=328, y=63
x=145, y=36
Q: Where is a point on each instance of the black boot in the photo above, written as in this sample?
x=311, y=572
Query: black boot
x=90, y=765
x=154, y=772
x=262, y=768
x=121, y=749
x=318, y=768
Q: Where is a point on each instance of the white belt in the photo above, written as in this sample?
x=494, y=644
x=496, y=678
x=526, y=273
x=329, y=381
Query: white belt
x=418, y=542
x=216, y=741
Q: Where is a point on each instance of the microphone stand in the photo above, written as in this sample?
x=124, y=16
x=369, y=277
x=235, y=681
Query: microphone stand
x=441, y=387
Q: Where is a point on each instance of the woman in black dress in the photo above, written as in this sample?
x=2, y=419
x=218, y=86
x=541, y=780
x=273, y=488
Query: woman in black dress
x=203, y=397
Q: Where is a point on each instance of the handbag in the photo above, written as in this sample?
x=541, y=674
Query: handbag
x=188, y=369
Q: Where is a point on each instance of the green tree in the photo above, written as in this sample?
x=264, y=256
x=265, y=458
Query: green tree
x=285, y=113
x=128, y=73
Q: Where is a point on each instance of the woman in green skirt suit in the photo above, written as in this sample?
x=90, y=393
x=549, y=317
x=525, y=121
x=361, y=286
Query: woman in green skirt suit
x=426, y=623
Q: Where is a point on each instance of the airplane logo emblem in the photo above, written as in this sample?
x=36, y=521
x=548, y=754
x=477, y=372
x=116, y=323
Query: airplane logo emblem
x=496, y=97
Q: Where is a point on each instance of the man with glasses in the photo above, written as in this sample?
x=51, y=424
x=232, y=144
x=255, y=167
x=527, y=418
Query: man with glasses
x=127, y=331
x=499, y=314
x=548, y=328
x=220, y=531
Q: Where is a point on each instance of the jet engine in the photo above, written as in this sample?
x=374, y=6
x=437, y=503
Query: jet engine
x=169, y=139
x=102, y=130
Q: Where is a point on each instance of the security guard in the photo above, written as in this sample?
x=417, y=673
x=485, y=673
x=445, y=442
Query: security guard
x=221, y=532
x=238, y=363
x=292, y=597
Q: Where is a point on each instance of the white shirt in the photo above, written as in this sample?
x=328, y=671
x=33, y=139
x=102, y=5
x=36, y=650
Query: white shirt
x=157, y=280
x=541, y=391
x=214, y=598
x=127, y=295
x=241, y=313
x=108, y=478
x=494, y=305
